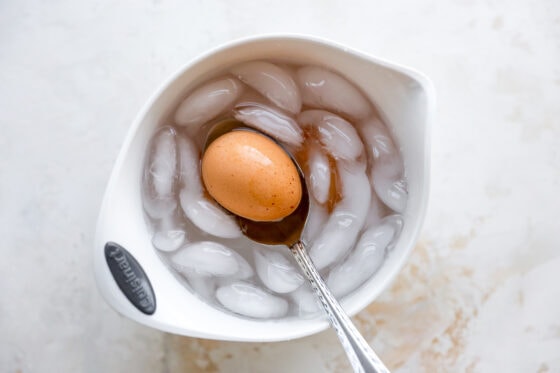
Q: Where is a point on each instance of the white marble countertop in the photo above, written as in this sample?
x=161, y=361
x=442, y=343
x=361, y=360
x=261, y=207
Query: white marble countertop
x=480, y=292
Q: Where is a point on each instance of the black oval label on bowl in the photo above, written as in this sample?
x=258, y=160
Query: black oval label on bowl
x=130, y=278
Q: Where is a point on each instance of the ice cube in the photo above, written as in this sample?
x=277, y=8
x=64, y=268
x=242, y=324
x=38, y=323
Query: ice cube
x=189, y=161
x=397, y=222
x=347, y=219
x=277, y=272
x=377, y=138
x=389, y=182
x=208, y=258
x=367, y=257
x=337, y=135
x=208, y=216
x=168, y=240
x=207, y=102
x=245, y=270
x=160, y=179
x=271, y=121
x=170, y=234
x=163, y=163
x=325, y=89
x=250, y=97
x=250, y=300
x=202, y=212
x=319, y=176
x=202, y=286
x=306, y=302
x=316, y=218
x=387, y=175
x=272, y=82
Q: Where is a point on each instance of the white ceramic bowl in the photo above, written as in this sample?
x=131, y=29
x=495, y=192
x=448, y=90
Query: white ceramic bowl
x=405, y=98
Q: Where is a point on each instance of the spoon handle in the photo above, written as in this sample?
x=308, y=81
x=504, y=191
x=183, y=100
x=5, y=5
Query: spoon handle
x=359, y=353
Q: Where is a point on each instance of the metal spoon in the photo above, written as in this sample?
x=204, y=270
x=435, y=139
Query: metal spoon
x=288, y=232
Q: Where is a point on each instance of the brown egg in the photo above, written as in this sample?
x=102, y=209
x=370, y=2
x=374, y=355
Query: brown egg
x=251, y=176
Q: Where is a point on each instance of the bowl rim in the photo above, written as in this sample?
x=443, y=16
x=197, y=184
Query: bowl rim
x=424, y=82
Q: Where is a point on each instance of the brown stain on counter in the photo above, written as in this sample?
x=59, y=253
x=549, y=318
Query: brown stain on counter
x=423, y=315
x=184, y=354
